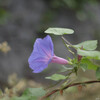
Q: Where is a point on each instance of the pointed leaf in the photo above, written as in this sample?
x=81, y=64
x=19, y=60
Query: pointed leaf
x=31, y=94
x=87, y=64
x=57, y=77
x=89, y=54
x=59, y=31
x=84, y=66
x=87, y=45
x=64, y=69
x=36, y=92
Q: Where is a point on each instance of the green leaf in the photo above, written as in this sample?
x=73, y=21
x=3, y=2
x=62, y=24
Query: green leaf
x=64, y=69
x=89, y=54
x=98, y=73
x=31, y=94
x=57, y=77
x=87, y=45
x=37, y=92
x=84, y=66
x=25, y=98
x=59, y=31
x=87, y=64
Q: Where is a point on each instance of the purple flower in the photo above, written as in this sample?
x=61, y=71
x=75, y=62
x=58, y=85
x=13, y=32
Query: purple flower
x=43, y=54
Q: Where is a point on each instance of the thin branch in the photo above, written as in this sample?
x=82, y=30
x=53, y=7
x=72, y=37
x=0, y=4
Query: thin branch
x=68, y=43
x=70, y=85
x=49, y=94
x=80, y=83
x=66, y=40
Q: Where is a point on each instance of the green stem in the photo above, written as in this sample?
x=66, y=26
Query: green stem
x=67, y=46
x=68, y=43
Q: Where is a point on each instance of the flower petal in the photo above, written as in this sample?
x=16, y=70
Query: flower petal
x=38, y=66
x=46, y=45
x=42, y=54
x=42, y=48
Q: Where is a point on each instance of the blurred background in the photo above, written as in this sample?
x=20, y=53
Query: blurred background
x=22, y=21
